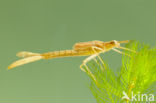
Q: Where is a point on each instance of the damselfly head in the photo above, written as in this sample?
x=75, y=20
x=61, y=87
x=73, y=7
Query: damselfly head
x=114, y=43
x=117, y=44
x=111, y=44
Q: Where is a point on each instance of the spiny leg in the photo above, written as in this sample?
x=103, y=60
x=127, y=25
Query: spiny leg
x=127, y=49
x=84, y=64
x=94, y=47
x=87, y=60
x=90, y=58
x=82, y=68
x=91, y=74
x=93, y=57
x=120, y=52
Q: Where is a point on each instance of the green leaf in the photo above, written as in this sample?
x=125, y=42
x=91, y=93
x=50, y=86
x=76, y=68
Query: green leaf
x=137, y=74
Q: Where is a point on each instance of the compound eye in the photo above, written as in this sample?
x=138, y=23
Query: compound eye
x=115, y=42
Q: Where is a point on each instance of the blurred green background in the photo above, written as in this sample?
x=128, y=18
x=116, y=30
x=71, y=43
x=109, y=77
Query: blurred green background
x=48, y=25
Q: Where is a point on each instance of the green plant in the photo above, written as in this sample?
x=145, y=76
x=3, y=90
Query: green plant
x=136, y=78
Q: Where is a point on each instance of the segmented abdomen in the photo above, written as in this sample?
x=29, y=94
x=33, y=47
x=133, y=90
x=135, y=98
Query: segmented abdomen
x=65, y=53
